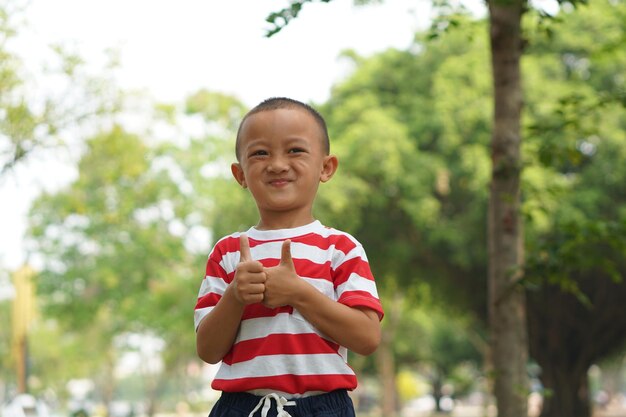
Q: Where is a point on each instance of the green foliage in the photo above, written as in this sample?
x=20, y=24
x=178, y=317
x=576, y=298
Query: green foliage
x=572, y=180
x=6, y=364
x=57, y=356
x=450, y=16
x=30, y=123
x=444, y=348
x=281, y=18
x=17, y=121
x=115, y=260
x=576, y=240
x=586, y=87
x=420, y=203
x=557, y=258
x=224, y=110
x=418, y=174
x=221, y=203
x=578, y=136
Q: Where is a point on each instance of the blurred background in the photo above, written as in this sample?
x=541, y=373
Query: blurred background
x=117, y=125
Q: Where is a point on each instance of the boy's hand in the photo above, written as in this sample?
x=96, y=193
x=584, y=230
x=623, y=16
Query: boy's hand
x=249, y=280
x=282, y=281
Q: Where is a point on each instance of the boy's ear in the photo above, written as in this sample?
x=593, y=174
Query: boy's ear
x=237, y=171
x=329, y=168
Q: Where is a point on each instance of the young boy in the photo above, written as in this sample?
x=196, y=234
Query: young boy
x=281, y=304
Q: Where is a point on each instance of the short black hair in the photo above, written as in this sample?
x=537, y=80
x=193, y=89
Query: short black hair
x=275, y=103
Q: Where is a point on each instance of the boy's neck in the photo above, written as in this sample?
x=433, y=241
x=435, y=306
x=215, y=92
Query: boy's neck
x=266, y=223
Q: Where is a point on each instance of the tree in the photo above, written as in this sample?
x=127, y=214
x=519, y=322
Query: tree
x=505, y=233
x=583, y=323
x=507, y=316
x=450, y=348
x=32, y=123
x=577, y=274
x=576, y=270
x=506, y=236
x=115, y=256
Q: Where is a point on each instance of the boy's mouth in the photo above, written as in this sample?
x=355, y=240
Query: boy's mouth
x=279, y=182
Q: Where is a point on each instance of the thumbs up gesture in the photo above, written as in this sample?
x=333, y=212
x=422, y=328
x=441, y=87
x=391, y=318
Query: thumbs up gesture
x=249, y=280
x=282, y=281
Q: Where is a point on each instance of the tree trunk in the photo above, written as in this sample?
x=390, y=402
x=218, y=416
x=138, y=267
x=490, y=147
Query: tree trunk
x=566, y=337
x=507, y=316
x=569, y=393
x=385, y=358
x=108, y=383
x=386, y=367
x=437, y=394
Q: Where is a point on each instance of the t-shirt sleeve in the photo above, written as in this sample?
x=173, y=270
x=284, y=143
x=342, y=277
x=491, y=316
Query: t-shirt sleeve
x=212, y=288
x=353, y=279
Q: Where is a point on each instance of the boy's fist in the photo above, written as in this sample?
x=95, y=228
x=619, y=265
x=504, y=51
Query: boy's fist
x=249, y=280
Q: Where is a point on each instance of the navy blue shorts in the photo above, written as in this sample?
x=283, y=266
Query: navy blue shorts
x=240, y=404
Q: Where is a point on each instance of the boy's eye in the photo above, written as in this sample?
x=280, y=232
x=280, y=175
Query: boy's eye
x=296, y=150
x=259, y=152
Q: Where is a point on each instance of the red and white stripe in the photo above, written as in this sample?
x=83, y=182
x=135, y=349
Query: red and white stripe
x=277, y=349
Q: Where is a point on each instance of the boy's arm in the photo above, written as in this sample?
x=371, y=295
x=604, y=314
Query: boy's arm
x=357, y=329
x=217, y=331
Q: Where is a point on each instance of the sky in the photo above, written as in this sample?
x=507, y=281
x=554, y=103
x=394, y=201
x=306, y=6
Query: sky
x=174, y=47
x=169, y=48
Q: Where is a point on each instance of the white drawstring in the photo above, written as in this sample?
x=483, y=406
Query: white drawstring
x=266, y=402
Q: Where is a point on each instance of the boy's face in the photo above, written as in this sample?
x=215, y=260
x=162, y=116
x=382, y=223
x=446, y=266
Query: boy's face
x=281, y=161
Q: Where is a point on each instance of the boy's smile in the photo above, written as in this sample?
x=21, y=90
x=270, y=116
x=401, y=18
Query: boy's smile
x=282, y=162
x=280, y=182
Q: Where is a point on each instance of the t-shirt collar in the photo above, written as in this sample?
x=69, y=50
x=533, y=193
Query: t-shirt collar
x=277, y=234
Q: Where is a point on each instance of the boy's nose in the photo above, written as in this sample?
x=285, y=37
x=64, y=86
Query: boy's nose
x=277, y=164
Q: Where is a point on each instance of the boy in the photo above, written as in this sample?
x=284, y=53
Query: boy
x=281, y=304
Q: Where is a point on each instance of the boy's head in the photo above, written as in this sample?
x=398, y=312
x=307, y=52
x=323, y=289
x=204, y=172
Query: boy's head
x=276, y=103
x=282, y=156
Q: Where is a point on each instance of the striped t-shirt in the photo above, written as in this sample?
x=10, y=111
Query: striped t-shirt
x=277, y=349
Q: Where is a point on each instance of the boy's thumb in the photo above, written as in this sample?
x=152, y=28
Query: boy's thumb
x=244, y=248
x=285, y=254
